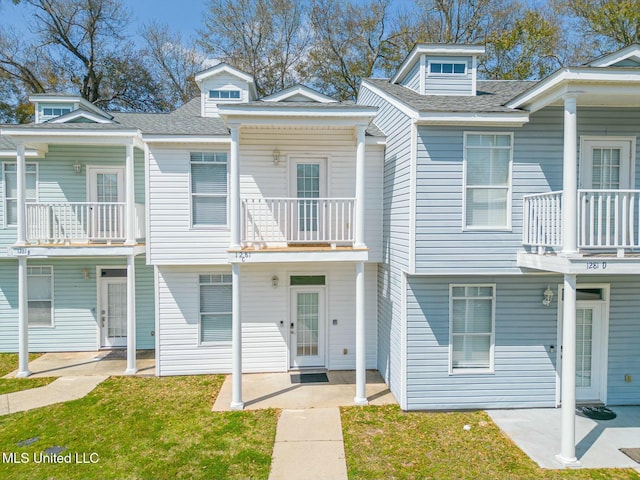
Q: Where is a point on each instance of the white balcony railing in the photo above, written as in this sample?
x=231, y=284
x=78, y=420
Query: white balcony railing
x=607, y=219
x=79, y=222
x=283, y=221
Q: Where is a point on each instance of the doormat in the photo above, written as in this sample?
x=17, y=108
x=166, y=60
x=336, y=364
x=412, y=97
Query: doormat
x=596, y=413
x=309, y=378
x=632, y=453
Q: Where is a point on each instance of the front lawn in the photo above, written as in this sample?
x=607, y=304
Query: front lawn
x=8, y=363
x=384, y=442
x=142, y=428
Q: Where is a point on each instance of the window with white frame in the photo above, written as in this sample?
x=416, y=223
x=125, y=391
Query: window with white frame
x=224, y=94
x=10, y=190
x=448, y=68
x=40, y=296
x=487, y=194
x=215, y=308
x=472, y=319
x=209, y=189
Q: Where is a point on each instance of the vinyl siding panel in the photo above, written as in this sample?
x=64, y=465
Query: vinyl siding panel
x=412, y=79
x=449, y=84
x=524, y=366
x=224, y=81
x=57, y=181
x=441, y=244
x=75, y=306
x=264, y=338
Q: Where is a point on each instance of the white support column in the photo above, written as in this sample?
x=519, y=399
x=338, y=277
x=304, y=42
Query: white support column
x=131, y=316
x=23, y=320
x=21, y=169
x=234, y=189
x=360, y=183
x=570, y=178
x=361, y=338
x=568, y=433
x=236, y=341
x=130, y=198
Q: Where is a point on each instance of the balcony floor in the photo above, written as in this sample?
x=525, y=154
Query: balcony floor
x=582, y=263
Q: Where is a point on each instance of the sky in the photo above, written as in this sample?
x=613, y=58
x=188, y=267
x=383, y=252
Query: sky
x=181, y=15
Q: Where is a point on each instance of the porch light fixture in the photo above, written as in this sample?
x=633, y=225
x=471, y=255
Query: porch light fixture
x=274, y=281
x=85, y=274
x=276, y=156
x=77, y=167
x=548, y=296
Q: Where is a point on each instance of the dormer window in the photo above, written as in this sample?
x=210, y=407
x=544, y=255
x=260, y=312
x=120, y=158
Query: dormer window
x=55, y=112
x=447, y=68
x=224, y=94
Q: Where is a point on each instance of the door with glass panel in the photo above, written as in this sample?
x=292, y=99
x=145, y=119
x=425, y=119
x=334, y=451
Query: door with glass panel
x=113, y=309
x=605, y=174
x=308, y=184
x=307, y=327
x=588, y=351
x=106, y=208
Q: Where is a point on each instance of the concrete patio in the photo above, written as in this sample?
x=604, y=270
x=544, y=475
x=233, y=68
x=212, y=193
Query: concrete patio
x=537, y=432
x=275, y=390
x=77, y=364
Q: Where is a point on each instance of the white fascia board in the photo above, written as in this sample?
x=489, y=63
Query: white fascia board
x=82, y=137
x=382, y=141
x=632, y=51
x=186, y=139
x=566, y=75
x=28, y=154
x=295, y=120
x=82, y=114
x=434, y=49
x=303, y=90
x=489, y=119
x=222, y=67
x=248, y=111
x=400, y=105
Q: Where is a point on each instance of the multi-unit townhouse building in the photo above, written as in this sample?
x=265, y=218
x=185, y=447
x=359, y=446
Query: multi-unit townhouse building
x=475, y=241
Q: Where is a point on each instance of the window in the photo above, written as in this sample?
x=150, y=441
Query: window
x=472, y=315
x=225, y=94
x=215, y=308
x=10, y=178
x=448, y=68
x=40, y=296
x=208, y=189
x=487, y=181
x=55, y=112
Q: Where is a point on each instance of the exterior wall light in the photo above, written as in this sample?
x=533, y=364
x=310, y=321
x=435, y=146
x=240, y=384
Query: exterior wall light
x=276, y=156
x=85, y=274
x=77, y=167
x=274, y=281
x=548, y=296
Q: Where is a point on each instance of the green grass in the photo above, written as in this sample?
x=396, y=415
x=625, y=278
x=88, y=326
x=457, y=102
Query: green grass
x=8, y=363
x=385, y=443
x=155, y=428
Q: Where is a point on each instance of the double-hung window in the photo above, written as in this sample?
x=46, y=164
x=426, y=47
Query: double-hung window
x=215, y=308
x=209, y=189
x=10, y=180
x=40, y=296
x=471, y=328
x=487, y=190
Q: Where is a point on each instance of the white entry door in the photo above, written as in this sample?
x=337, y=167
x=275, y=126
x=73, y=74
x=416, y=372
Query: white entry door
x=113, y=311
x=308, y=183
x=589, y=351
x=105, y=190
x=307, y=327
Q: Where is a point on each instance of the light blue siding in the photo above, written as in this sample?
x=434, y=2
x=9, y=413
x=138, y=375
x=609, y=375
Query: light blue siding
x=441, y=245
x=524, y=365
x=412, y=79
x=75, y=306
x=449, y=84
x=57, y=181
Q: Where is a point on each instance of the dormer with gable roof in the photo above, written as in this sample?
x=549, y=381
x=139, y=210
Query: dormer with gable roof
x=224, y=84
x=61, y=107
x=435, y=69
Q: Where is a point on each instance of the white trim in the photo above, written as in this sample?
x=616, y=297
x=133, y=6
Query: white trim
x=99, y=299
x=75, y=99
x=156, y=301
x=217, y=343
x=147, y=195
x=52, y=300
x=507, y=119
x=191, y=194
x=492, y=341
x=4, y=190
x=423, y=75
x=404, y=401
x=604, y=339
x=508, y=226
x=474, y=75
x=413, y=195
x=447, y=62
x=81, y=114
x=28, y=154
x=324, y=302
x=90, y=177
x=204, y=139
x=631, y=52
x=586, y=139
x=302, y=90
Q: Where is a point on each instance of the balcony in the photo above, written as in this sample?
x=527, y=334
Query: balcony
x=283, y=222
x=608, y=221
x=80, y=222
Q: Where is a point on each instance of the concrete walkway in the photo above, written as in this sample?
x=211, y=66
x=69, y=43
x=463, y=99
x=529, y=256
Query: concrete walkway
x=63, y=389
x=309, y=446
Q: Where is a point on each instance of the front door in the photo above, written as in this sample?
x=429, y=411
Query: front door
x=113, y=311
x=588, y=351
x=308, y=180
x=105, y=192
x=307, y=327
